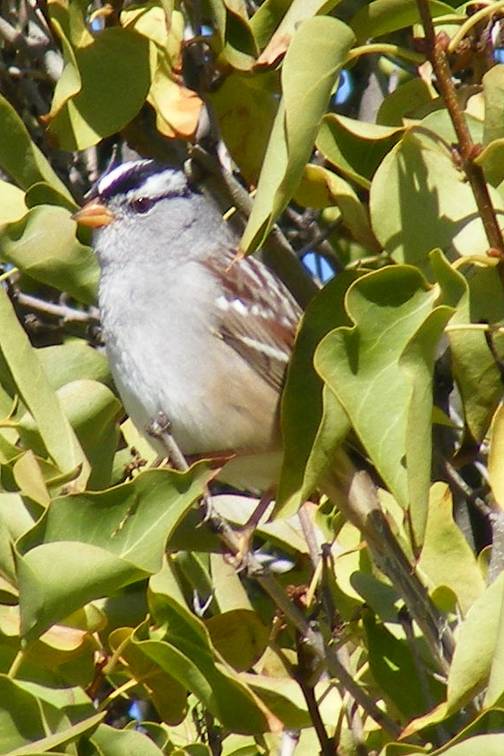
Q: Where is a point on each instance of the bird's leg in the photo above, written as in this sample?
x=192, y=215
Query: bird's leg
x=246, y=532
x=159, y=427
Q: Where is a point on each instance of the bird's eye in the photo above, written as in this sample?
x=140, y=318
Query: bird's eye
x=142, y=204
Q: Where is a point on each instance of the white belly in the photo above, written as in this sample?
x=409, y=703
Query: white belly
x=158, y=366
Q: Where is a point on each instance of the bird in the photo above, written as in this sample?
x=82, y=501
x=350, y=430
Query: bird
x=194, y=333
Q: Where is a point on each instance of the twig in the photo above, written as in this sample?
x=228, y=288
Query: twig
x=16, y=663
x=382, y=48
x=304, y=671
x=421, y=675
x=67, y=314
x=436, y=53
x=484, y=327
x=456, y=479
x=159, y=427
x=13, y=37
x=309, y=534
x=324, y=652
x=318, y=238
x=497, y=558
x=326, y=744
x=355, y=494
x=313, y=637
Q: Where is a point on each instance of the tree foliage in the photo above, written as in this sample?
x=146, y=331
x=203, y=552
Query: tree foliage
x=371, y=622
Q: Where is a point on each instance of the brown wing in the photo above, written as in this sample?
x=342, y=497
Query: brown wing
x=259, y=315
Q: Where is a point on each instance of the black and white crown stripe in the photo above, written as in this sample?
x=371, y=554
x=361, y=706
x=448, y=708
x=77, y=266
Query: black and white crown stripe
x=142, y=178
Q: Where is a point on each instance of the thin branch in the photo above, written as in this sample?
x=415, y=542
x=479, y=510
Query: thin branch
x=355, y=494
x=309, y=534
x=65, y=313
x=436, y=52
x=31, y=47
x=386, y=49
x=484, y=327
x=16, y=663
x=456, y=480
x=326, y=744
x=421, y=674
x=325, y=653
x=12, y=36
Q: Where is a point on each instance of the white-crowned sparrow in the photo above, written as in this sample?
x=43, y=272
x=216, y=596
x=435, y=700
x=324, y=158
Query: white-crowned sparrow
x=190, y=330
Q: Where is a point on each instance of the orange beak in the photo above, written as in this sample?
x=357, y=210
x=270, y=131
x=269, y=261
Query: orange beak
x=94, y=215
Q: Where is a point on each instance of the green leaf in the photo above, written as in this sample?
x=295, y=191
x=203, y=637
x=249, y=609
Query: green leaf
x=491, y=159
x=356, y=148
x=29, y=478
x=479, y=298
x=310, y=70
x=395, y=671
x=43, y=193
x=417, y=363
x=238, y=45
x=24, y=722
x=275, y=24
x=245, y=107
x=93, y=411
x=37, y=394
x=312, y=425
x=475, y=650
x=495, y=457
x=239, y=636
x=20, y=157
x=12, y=203
x=485, y=723
x=320, y=187
x=419, y=201
x=495, y=691
x=119, y=534
x=74, y=360
x=20, y=716
x=384, y=16
x=284, y=698
x=493, y=90
x=43, y=245
x=446, y=558
x=403, y=102
x=371, y=370
x=164, y=582
x=441, y=126
x=490, y=745
x=113, y=742
x=90, y=99
x=70, y=82
x=229, y=591
x=167, y=694
x=67, y=735
x=267, y=18
x=15, y=519
x=188, y=656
